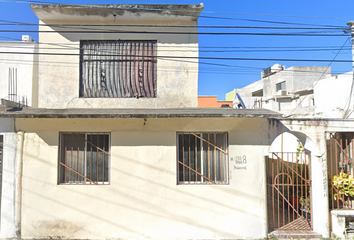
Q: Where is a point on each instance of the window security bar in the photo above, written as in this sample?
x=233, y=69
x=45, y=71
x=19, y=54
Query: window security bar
x=84, y=158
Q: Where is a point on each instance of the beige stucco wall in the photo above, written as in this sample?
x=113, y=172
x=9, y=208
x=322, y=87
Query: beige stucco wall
x=143, y=199
x=176, y=82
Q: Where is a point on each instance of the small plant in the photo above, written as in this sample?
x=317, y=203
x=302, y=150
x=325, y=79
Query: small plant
x=344, y=183
x=305, y=203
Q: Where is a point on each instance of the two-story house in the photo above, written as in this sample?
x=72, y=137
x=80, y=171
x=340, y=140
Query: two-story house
x=118, y=149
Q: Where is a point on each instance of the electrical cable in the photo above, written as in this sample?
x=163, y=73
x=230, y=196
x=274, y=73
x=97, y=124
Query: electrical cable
x=191, y=57
x=317, y=81
x=178, y=33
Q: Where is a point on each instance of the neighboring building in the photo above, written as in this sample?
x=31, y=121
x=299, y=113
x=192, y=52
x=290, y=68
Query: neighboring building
x=19, y=68
x=333, y=96
x=282, y=89
x=212, y=101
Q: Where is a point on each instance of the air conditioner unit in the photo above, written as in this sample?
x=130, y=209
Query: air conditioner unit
x=282, y=92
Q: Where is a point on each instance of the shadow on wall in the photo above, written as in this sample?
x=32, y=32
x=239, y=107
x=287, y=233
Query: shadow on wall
x=131, y=195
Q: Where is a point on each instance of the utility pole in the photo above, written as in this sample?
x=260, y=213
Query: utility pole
x=351, y=25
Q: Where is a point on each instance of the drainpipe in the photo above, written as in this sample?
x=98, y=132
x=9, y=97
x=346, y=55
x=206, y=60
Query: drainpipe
x=18, y=191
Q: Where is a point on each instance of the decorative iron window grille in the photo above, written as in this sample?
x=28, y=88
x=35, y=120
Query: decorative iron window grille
x=84, y=158
x=117, y=69
x=202, y=158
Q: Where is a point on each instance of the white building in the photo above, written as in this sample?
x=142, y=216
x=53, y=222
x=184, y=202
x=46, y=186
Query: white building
x=287, y=90
x=333, y=96
x=19, y=71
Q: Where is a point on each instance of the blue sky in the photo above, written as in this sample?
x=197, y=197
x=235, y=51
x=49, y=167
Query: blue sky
x=217, y=77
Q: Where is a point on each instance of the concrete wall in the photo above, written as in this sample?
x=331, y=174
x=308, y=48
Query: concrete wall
x=143, y=199
x=333, y=95
x=176, y=83
x=296, y=78
x=212, y=102
x=8, y=184
x=21, y=56
x=297, y=95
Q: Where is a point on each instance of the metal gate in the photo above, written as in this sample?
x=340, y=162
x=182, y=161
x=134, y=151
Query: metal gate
x=289, y=191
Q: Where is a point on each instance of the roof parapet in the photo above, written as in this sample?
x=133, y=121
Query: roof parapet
x=119, y=12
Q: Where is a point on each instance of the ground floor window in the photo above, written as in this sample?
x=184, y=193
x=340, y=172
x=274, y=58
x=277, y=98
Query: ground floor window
x=84, y=158
x=202, y=158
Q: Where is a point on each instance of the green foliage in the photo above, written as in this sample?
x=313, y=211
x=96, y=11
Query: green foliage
x=344, y=183
x=299, y=149
x=305, y=203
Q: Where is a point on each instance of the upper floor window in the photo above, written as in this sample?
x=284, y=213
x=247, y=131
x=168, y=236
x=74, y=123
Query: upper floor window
x=117, y=68
x=281, y=86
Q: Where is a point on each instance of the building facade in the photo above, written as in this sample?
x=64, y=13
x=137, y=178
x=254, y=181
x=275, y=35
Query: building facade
x=118, y=148
x=126, y=45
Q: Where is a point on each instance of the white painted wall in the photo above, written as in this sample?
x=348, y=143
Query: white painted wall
x=294, y=99
x=333, y=95
x=143, y=199
x=7, y=213
x=21, y=56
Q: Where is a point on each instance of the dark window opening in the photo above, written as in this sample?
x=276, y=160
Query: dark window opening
x=117, y=69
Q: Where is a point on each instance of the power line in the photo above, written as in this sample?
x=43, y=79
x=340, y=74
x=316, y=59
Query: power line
x=11, y=23
x=191, y=57
x=69, y=45
x=179, y=33
x=184, y=50
x=329, y=65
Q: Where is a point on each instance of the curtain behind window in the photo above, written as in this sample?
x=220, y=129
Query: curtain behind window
x=118, y=69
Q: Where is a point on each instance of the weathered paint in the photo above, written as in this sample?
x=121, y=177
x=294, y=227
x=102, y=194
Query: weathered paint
x=59, y=75
x=143, y=199
x=118, y=12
